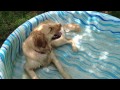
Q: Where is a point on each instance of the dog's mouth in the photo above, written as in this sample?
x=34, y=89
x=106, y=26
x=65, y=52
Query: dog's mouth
x=57, y=35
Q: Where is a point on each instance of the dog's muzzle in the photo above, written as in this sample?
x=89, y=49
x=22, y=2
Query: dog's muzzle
x=57, y=35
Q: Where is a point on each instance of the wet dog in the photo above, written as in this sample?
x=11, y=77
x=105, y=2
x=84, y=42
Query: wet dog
x=38, y=47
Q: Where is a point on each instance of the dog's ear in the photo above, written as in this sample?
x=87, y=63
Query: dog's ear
x=39, y=39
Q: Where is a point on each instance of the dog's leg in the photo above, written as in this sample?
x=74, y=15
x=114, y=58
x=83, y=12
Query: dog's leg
x=62, y=40
x=59, y=66
x=30, y=70
x=31, y=73
x=73, y=45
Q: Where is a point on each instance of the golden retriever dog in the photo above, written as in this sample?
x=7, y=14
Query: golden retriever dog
x=38, y=47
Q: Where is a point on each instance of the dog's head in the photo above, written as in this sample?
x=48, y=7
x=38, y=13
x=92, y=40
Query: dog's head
x=49, y=29
x=44, y=33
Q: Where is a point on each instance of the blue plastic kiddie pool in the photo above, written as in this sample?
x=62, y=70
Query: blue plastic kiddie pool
x=98, y=44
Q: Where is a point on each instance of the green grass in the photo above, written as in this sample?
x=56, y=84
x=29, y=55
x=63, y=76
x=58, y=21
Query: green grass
x=10, y=20
x=115, y=13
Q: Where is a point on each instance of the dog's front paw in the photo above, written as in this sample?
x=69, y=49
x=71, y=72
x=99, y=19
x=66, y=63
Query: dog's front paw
x=68, y=77
x=35, y=78
x=75, y=49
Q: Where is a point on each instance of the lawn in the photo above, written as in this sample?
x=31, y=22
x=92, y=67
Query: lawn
x=10, y=20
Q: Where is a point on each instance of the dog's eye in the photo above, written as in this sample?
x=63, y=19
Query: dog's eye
x=51, y=29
